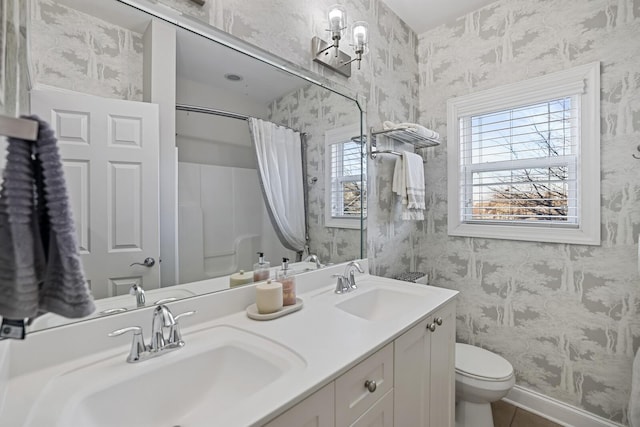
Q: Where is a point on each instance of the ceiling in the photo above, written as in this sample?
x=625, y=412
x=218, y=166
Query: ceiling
x=200, y=59
x=423, y=15
x=207, y=62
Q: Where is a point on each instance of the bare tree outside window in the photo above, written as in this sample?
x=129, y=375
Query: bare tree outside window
x=520, y=163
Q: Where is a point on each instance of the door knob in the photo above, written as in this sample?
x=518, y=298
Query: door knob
x=438, y=321
x=148, y=262
x=431, y=327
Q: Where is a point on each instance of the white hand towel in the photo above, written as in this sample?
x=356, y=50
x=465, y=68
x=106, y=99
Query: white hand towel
x=408, y=183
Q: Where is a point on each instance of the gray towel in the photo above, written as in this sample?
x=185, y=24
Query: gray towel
x=40, y=268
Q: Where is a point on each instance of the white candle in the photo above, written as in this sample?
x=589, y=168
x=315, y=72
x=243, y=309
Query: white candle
x=269, y=297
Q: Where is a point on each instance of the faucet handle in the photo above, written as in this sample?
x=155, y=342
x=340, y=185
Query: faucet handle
x=185, y=314
x=137, y=330
x=175, y=336
x=137, y=345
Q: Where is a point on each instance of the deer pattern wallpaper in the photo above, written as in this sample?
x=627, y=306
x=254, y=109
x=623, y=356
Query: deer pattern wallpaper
x=566, y=316
x=73, y=50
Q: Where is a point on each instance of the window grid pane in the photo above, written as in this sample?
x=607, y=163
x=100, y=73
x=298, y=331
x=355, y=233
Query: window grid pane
x=348, y=200
x=519, y=164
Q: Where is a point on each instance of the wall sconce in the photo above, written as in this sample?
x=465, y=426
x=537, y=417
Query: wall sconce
x=360, y=40
x=340, y=61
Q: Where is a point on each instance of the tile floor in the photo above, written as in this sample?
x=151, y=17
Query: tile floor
x=507, y=415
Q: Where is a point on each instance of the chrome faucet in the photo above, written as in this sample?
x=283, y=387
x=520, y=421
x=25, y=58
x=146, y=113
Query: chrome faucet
x=137, y=290
x=347, y=281
x=314, y=258
x=163, y=320
x=350, y=275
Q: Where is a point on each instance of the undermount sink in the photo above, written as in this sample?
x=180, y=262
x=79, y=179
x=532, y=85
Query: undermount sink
x=218, y=369
x=379, y=303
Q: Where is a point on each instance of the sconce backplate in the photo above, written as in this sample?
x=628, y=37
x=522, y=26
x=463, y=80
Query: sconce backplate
x=328, y=58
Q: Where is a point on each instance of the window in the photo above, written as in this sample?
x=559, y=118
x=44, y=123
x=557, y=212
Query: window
x=524, y=160
x=345, y=195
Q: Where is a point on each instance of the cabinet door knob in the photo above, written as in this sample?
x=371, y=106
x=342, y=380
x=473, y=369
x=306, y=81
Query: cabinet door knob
x=438, y=321
x=431, y=327
x=371, y=385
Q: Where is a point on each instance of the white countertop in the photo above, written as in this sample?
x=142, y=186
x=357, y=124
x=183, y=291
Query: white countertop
x=329, y=340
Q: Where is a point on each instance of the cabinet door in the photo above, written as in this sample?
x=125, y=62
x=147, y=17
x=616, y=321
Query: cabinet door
x=442, y=360
x=412, y=377
x=424, y=372
x=316, y=410
x=379, y=415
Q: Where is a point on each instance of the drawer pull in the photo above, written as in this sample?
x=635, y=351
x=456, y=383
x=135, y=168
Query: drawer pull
x=431, y=327
x=438, y=321
x=371, y=385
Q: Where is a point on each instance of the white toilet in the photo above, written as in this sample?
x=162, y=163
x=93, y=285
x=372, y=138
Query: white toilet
x=482, y=377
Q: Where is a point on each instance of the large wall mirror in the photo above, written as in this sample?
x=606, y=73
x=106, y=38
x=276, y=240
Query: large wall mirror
x=95, y=68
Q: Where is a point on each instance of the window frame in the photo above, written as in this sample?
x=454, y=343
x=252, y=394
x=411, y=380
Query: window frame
x=582, y=83
x=337, y=136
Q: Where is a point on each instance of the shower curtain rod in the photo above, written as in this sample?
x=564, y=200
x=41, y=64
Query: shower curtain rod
x=223, y=113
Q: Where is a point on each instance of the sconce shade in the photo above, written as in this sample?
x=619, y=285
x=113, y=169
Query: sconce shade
x=337, y=20
x=361, y=37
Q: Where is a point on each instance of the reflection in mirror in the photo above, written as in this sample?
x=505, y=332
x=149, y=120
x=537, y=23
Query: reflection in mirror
x=105, y=59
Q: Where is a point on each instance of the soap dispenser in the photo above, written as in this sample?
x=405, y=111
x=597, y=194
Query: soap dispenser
x=261, y=268
x=285, y=276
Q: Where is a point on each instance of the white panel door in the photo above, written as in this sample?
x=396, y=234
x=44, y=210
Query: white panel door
x=110, y=153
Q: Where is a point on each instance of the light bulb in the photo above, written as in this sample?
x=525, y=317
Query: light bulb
x=337, y=18
x=360, y=36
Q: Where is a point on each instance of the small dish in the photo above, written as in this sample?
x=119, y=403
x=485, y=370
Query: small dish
x=252, y=311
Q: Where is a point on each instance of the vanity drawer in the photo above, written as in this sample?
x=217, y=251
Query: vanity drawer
x=315, y=411
x=379, y=415
x=353, y=398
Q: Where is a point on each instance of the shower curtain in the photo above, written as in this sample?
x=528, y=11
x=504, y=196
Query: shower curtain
x=279, y=154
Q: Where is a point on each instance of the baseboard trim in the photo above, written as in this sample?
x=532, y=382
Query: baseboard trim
x=555, y=410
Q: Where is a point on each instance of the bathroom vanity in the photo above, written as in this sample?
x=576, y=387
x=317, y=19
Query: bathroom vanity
x=381, y=353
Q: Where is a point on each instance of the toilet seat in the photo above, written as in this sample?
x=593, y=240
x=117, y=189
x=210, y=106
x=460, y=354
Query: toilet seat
x=478, y=363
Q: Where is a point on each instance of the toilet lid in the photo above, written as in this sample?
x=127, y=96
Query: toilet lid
x=481, y=363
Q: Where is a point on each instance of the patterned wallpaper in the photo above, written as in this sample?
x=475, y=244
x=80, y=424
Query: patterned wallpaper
x=76, y=51
x=566, y=316
x=13, y=58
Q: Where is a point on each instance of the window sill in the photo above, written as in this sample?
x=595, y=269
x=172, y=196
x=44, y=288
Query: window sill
x=351, y=223
x=551, y=234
